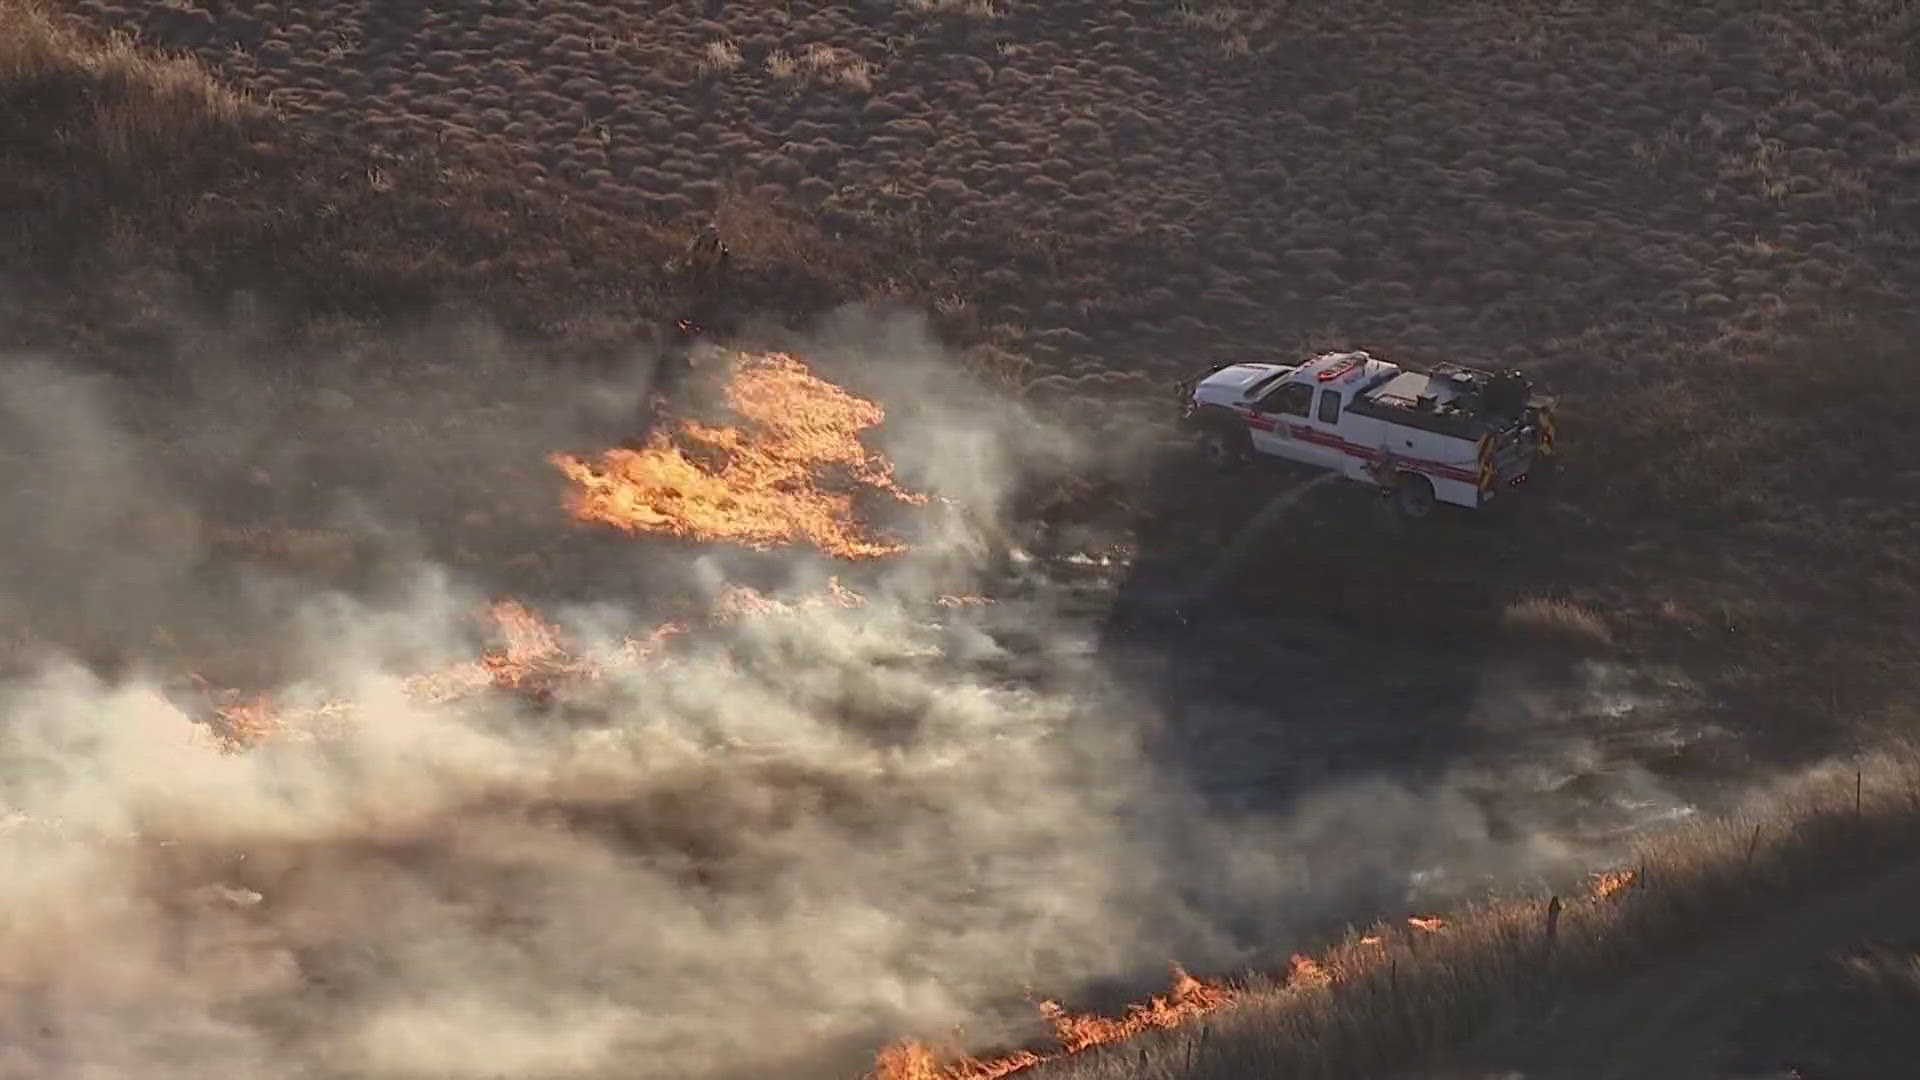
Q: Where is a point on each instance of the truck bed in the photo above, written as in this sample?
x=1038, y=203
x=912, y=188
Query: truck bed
x=1421, y=400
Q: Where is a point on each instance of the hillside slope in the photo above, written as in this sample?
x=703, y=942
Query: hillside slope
x=1696, y=226
x=1759, y=1001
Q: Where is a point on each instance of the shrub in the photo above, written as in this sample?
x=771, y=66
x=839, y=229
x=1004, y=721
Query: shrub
x=719, y=57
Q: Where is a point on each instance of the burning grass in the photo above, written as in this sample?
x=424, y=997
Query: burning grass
x=531, y=658
x=1186, y=1000
x=771, y=481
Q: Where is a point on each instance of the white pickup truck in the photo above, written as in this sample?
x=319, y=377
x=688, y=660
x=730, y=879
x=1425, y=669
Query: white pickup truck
x=1455, y=434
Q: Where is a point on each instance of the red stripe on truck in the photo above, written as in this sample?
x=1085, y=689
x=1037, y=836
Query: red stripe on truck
x=1308, y=433
x=1258, y=422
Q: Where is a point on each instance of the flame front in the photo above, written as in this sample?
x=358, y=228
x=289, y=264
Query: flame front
x=1188, y=999
x=242, y=720
x=760, y=484
x=1304, y=971
x=912, y=1060
x=1609, y=882
x=533, y=659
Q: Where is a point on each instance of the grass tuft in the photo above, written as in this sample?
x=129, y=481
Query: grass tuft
x=1559, y=623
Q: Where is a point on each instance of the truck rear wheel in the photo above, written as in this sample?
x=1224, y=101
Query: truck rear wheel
x=1225, y=448
x=1413, y=496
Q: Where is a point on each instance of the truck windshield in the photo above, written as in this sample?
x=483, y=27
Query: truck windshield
x=1260, y=385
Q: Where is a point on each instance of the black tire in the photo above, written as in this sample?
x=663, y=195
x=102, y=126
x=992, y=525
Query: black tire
x=1225, y=448
x=1413, y=497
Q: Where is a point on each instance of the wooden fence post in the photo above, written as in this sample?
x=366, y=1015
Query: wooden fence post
x=1197, y=1044
x=1553, y=926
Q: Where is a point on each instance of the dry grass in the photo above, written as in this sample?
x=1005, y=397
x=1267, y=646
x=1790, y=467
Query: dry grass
x=838, y=66
x=719, y=56
x=1232, y=26
x=1556, y=622
x=973, y=9
x=139, y=110
x=1388, y=996
x=823, y=64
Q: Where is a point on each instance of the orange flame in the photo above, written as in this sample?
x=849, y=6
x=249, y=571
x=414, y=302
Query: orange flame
x=766, y=487
x=1188, y=999
x=639, y=650
x=910, y=1059
x=1609, y=882
x=241, y=721
x=532, y=660
x=1430, y=923
x=1305, y=971
x=246, y=721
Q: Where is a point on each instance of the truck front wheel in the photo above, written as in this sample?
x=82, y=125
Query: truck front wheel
x=1225, y=448
x=1413, y=496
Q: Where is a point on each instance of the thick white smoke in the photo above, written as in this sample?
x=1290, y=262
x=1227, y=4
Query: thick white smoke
x=777, y=842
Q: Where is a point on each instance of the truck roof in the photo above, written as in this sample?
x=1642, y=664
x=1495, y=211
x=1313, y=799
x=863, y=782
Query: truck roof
x=1345, y=369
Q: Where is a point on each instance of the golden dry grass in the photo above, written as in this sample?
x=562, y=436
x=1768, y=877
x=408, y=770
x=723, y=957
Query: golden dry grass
x=138, y=110
x=1557, y=622
x=978, y=9
x=720, y=56
x=145, y=104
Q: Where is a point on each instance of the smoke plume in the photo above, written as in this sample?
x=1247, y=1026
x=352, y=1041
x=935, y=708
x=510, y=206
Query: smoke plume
x=783, y=833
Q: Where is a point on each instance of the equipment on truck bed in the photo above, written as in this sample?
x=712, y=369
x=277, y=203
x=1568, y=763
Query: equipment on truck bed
x=1455, y=434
